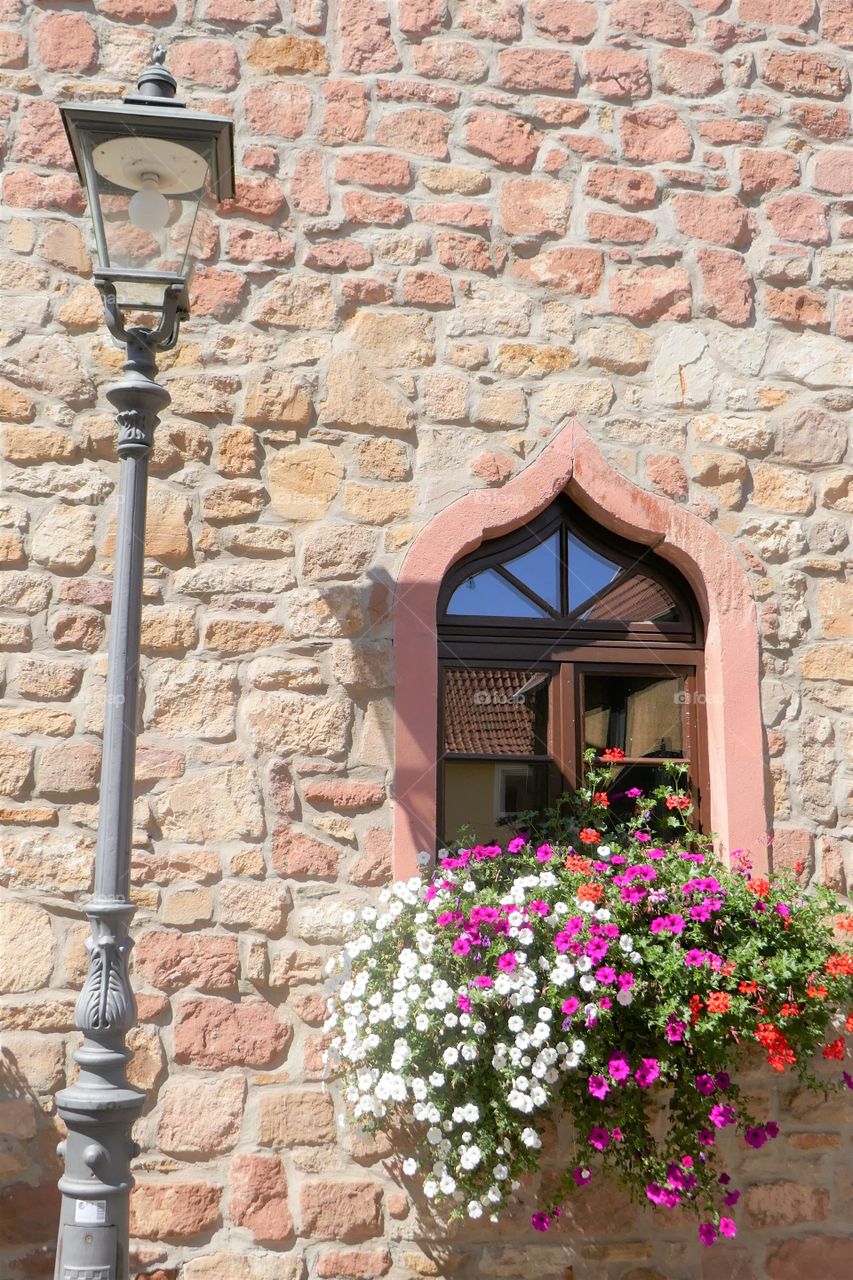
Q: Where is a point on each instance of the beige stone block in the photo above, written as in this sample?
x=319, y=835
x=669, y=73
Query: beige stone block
x=344, y=551
x=191, y=698
x=356, y=398
x=233, y=500
x=592, y=396
x=168, y=629
x=216, y=804
x=257, y=540
x=186, y=906
x=38, y=1061
x=167, y=534
x=27, y=947
x=25, y=592
x=241, y=635
x=781, y=489
x=376, y=504
x=742, y=435
x=835, y=603
x=234, y=578
x=446, y=178
x=294, y=302
x=64, y=541
x=619, y=348
x=296, y=1118
x=147, y=1067
x=394, y=339
x=47, y=678
x=286, y=673
x=502, y=407
x=28, y=720
x=725, y=473
x=532, y=360
x=187, y=1128
x=69, y=768
x=246, y=1265
x=247, y=905
x=237, y=452
x=59, y=863
x=84, y=482
x=209, y=396
x=11, y=549
x=293, y=722
x=303, y=481
x=276, y=398
x=445, y=397
x=15, y=765
x=25, y=445
x=832, y=660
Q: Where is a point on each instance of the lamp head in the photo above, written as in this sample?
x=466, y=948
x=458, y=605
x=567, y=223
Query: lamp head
x=147, y=164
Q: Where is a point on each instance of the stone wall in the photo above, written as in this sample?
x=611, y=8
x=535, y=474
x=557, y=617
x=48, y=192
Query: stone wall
x=456, y=224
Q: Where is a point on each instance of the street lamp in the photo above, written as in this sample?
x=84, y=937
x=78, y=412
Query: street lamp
x=146, y=165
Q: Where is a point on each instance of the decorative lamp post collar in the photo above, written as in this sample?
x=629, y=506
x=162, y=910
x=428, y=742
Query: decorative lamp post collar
x=146, y=165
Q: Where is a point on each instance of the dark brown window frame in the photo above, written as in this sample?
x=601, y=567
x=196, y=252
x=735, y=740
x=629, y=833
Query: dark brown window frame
x=568, y=648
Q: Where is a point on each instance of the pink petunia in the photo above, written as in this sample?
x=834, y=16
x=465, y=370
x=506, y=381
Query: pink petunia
x=507, y=962
x=598, y=1087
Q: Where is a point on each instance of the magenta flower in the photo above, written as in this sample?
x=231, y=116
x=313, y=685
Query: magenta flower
x=625, y=981
x=694, y=957
x=633, y=793
x=721, y=1116
x=581, y=1176
x=540, y=1221
x=755, y=1136
x=723, y=1080
x=544, y=853
x=570, y=1006
x=707, y=1234
x=647, y=1072
x=606, y=975
x=507, y=962
x=618, y=1068
x=675, y=1030
x=705, y=1137
x=642, y=837
x=599, y=1137
x=516, y=844
x=658, y=925
x=705, y=1084
x=675, y=923
x=596, y=948
x=771, y=1129
x=731, y=1198
x=462, y=946
x=598, y=1087
x=463, y=1003
x=782, y=909
x=483, y=980
x=727, y=1227
x=847, y=1078
x=616, y=1134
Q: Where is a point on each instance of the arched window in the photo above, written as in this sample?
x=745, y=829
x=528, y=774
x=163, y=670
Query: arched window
x=554, y=639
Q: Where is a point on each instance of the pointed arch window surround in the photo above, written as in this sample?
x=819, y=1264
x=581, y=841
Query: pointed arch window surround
x=554, y=639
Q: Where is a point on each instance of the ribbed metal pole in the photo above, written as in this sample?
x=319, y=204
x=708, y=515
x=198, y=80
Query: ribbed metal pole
x=101, y=1107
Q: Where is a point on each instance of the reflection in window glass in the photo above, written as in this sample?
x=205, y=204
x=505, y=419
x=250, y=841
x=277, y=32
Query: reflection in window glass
x=635, y=599
x=640, y=714
x=490, y=595
x=495, y=712
x=483, y=797
x=589, y=572
x=539, y=569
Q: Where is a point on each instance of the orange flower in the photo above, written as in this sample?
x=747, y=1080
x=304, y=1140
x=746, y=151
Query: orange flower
x=789, y=1010
x=848, y=1026
x=590, y=836
x=845, y=924
x=590, y=893
x=817, y=993
x=759, y=887
x=727, y=969
x=779, y=1052
x=748, y=988
x=696, y=1003
x=601, y=798
x=613, y=755
x=835, y=1050
x=574, y=862
x=678, y=802
x=839, y=964
x=718, y=1002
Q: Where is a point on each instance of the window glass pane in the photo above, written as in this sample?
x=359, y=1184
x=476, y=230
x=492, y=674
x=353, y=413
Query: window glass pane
x=636, y=599
x=589, y=572
x=642, y=715
x=489, y=594
x=481, y=797
x=539, y=569
x=496, y=712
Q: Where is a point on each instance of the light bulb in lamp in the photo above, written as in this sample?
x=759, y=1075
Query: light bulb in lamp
x=149, y=208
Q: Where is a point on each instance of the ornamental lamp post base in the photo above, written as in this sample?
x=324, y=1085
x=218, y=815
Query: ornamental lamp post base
x=101, y=1107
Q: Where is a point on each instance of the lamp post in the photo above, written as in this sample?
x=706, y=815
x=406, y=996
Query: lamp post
x=146, y=165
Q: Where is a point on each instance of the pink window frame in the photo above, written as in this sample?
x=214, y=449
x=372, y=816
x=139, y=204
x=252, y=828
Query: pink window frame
x=573, y=463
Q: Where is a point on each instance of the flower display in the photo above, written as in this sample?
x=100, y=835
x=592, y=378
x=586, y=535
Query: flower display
x=616, y=964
